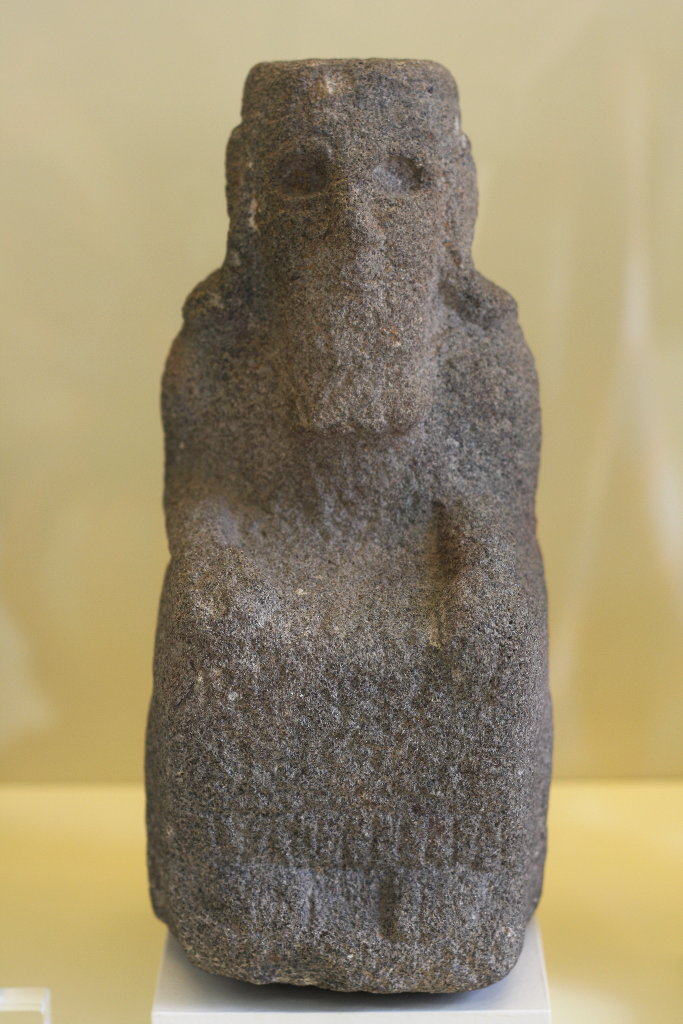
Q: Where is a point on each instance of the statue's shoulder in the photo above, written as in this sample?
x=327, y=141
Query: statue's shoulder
x=491, y=385
x=213, y=318
x=486, y=317
x=481, y=302
x=212, y=330
x=214, y=302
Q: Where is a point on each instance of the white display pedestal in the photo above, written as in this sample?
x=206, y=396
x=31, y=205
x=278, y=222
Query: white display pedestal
x=31, y=1003
x=187, y=995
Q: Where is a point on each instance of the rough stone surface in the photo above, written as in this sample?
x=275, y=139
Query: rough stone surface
x=349, y=738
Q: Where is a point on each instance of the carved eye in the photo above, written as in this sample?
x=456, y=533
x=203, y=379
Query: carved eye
x=302, y=174
x=400, y=174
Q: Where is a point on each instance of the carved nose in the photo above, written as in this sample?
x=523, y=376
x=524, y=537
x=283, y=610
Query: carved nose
x=356, y=218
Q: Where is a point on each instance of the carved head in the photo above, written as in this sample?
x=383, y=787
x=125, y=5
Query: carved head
x=352, y=201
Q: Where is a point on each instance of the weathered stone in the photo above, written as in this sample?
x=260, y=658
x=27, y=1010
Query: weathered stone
x=349, y=738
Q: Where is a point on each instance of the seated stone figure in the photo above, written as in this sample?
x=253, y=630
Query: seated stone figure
x=348, y=746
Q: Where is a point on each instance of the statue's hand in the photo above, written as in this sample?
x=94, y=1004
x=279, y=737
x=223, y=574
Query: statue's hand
x=483, y=614
x=490, y=607
x=212, y=594
x=215, y=585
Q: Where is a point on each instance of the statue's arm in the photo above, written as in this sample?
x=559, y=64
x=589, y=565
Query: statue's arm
x=198, y=518
x=493, y=603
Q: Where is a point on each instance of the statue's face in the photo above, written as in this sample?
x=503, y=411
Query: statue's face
x=349, y=213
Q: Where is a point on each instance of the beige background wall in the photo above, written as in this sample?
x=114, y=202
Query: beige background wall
x=114, y=119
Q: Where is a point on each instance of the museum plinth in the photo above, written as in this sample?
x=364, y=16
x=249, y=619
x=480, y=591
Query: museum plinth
x=188, y=995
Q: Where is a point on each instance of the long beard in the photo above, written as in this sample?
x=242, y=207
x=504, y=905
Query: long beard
x=359, y=358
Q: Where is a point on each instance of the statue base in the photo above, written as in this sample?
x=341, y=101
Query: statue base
x=188, y=995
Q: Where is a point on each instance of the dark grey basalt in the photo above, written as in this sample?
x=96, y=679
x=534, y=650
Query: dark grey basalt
x=349, y=738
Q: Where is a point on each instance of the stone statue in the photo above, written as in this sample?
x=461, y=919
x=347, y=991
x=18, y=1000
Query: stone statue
x=349, y=739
